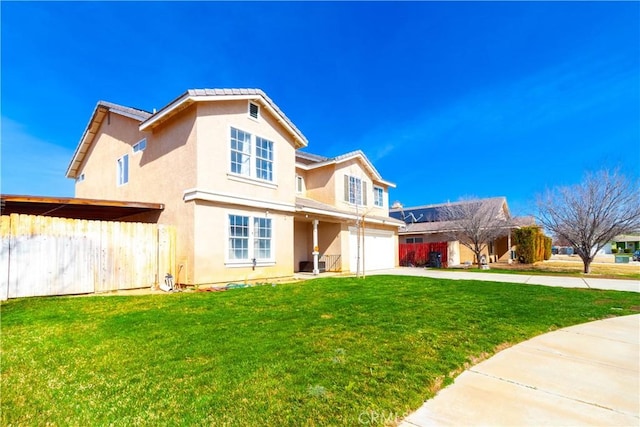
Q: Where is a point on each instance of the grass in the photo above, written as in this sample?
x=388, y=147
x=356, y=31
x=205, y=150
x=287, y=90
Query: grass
x=566, y=268
x=322, y=352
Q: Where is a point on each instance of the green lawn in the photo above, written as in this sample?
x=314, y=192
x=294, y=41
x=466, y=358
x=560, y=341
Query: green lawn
x=336, y=351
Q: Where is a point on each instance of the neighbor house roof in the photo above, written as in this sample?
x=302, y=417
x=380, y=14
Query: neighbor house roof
x=308, y=161
x=436, y=212
x=99, y=113
x=149, y=120
x=201, y=95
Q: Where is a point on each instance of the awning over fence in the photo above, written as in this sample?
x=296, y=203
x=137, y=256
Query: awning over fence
x=71, y=207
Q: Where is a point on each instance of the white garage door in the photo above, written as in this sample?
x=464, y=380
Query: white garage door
x=379, y=250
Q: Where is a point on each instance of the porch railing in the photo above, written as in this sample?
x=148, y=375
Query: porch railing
x=332, y=262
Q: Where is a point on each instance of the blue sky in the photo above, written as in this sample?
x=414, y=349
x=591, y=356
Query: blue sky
x=448, y=99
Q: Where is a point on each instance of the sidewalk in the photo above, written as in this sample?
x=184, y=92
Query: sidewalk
x=558, y=281
x=582, y=375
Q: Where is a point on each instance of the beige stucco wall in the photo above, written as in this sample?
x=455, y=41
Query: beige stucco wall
x=215, y=120
x=159, y=174
x=211, y=262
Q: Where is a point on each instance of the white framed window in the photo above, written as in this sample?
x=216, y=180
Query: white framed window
x=254, y=110
x=122, y=170
x=140, y=146
x=264, y=159
x=378, y=196
x=251, y=156
x=250, y=238
x=240, y=152
x=299, y=184
x=238, y=237
x=355, y=190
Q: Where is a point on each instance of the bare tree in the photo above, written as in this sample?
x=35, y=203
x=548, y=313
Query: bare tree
x=476, y=222
x=591, y=214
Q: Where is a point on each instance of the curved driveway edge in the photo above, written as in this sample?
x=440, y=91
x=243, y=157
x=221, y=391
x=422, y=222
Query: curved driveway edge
x=558, y=281
x=586, y=374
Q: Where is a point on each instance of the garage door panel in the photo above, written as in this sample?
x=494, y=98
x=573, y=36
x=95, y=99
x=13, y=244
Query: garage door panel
x=377, y=250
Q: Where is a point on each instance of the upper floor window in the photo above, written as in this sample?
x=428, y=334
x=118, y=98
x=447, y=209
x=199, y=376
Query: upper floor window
x=378, y=196
x=355, y=190
x=299, y=184
x=80, y=178
x=254, y=110
x=264, y=159
x=122, y=169
x=140, y=145
x=240, y=152
x=251, y=156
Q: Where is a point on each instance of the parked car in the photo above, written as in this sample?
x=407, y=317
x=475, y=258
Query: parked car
x=636, y=255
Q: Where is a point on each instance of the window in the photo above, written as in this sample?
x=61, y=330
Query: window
x=80, y=178
x=254, y=109
x=140, y=146
x=123, y=170
x=251, y=156
x=238, y=237
x=299, y=184
x=264, y=159
x=240, y=152
x=250, y=238
x=414, y=240
x=355, y=190
x=378, y=196
x=262, y=238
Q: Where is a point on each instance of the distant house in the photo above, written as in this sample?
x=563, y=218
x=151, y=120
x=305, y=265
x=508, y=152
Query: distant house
x=247, y=203
x=428, y=224
x=623, y=243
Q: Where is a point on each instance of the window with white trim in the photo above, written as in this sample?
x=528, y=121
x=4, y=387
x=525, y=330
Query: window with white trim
x=251, y=156
x=355, y=190
x=299, y=184
x=238, y=237
x=122, y=169
x=250, y=238
x=264, y=159
x=140, y=145
x=240, y=152
x=378, y=196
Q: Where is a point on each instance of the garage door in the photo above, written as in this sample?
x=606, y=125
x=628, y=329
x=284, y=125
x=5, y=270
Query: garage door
x=379, y=250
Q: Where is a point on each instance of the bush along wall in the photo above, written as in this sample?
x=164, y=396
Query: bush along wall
x=532, y=244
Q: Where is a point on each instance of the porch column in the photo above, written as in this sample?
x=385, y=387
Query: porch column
x=315, y=252
x=509, y=247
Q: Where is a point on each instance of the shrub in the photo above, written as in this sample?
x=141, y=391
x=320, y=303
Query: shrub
x=627, y=250
x=614, y=250
x=532, y=244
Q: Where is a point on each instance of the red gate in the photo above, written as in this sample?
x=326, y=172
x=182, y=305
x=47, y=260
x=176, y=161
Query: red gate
x=417, y=254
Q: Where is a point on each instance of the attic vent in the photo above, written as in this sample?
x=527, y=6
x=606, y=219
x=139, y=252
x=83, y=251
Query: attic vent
x=253, y=110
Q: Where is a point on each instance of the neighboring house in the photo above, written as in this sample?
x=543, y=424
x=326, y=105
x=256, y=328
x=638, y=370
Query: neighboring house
x=246, y=203
x=623, y=243
x=427, y=224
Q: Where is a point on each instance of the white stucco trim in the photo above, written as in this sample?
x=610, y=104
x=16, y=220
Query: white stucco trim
x=234, y=199
x=347, y=216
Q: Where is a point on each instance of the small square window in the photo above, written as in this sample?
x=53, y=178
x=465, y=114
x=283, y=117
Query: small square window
x=140, y=145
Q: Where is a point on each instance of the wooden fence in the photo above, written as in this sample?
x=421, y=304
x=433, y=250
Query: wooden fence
x=58, y=256
x=417, y=254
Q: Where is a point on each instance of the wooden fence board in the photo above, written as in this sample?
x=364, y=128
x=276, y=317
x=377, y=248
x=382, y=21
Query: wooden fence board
x=59, y=256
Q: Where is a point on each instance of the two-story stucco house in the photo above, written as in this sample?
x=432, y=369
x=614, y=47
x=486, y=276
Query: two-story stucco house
x=246, y=203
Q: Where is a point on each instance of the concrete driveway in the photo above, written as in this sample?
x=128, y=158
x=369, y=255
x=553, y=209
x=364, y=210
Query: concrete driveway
x=578, y=376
